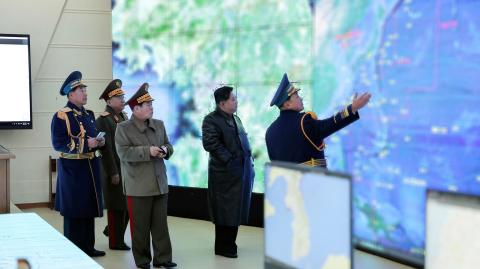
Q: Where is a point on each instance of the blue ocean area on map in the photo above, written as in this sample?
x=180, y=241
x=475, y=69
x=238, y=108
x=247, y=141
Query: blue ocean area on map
x=423, y=130
x=283, y=223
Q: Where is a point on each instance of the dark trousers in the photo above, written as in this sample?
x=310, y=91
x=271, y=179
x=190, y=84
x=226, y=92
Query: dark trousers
x=117, y=224
x=225, y=237
x=81, y=231
x=148, y=215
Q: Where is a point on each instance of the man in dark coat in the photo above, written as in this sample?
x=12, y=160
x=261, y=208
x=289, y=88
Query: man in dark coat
x=230, y=171
x=112, y=184
x=297, y=136
x=79, y=192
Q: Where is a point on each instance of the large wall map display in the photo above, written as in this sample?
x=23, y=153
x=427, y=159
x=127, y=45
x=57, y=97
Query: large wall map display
x=419, y=58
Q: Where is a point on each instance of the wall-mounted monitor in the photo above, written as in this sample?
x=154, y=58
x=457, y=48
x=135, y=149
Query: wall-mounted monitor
x=15, y=82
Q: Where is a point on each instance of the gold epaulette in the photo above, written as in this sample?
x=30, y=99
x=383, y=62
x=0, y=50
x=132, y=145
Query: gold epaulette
x=104, y=113
x=62, y=113
x=314, y=116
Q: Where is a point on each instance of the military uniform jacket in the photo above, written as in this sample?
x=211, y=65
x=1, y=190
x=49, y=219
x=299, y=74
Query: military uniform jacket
x=79, y=192
x=230, y=168
x=298, y=137
x=113, y=194
x=142, y=174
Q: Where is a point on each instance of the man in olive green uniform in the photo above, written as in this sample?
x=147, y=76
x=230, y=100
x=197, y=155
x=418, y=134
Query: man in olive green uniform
x=115, y=200
x=142, y=145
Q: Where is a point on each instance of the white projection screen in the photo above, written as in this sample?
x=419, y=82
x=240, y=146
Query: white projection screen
x=15, y=82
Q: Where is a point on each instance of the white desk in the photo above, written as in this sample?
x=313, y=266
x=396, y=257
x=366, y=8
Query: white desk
x=26, y=235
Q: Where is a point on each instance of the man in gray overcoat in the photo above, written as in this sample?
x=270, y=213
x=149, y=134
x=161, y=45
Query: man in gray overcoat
x=230, y=171
x=142, y=145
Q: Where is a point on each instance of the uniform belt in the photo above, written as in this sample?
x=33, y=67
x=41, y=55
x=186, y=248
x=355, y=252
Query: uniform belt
x=77, y=156
x=316, y=162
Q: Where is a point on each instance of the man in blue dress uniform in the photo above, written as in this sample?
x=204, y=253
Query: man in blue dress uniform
x=79, y=193
x=297, y=136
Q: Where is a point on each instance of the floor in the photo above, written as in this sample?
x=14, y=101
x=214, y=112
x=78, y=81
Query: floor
x=192, y=242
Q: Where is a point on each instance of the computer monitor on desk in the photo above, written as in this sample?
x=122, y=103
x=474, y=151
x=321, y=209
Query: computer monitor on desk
x=308, y=220
x=452, y=231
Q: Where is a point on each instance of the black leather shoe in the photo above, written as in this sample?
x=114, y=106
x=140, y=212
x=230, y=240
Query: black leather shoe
x=165, y=265
x=97, y=253
x=226, y=254
x=121, y=247
x=105, y=231
x=144, y=266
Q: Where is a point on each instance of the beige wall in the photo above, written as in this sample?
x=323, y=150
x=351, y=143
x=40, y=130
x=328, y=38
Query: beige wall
x=66, y=35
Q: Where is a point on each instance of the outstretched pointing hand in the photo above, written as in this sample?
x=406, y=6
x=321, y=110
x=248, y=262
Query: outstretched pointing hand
x=360, y=101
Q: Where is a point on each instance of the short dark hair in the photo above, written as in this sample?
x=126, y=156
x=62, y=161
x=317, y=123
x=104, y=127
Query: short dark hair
x=222, y=94
x=20, y=260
